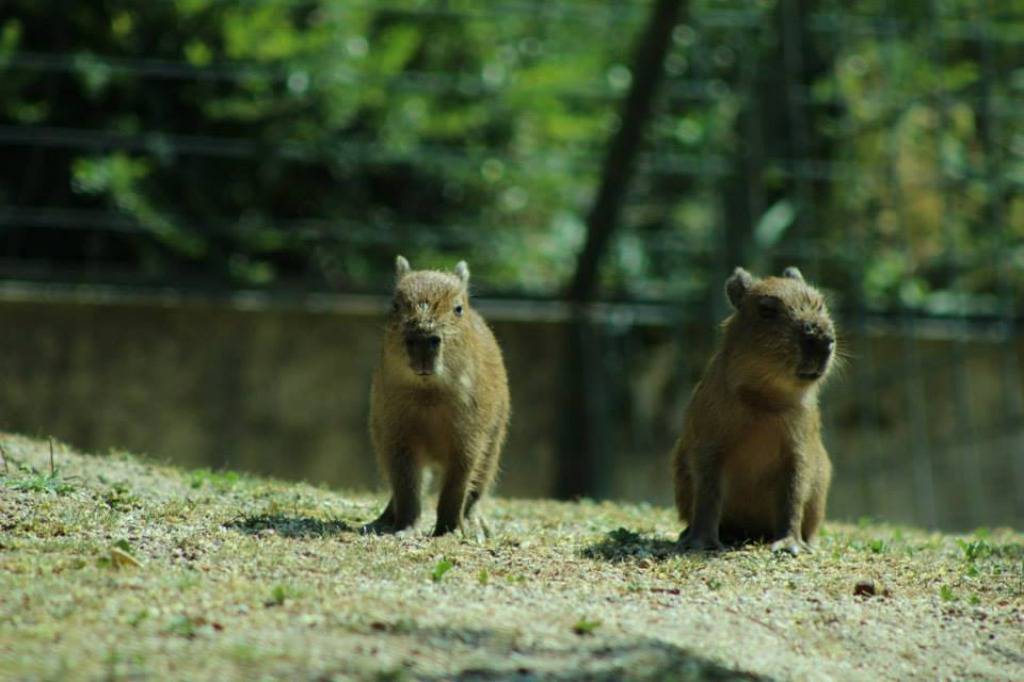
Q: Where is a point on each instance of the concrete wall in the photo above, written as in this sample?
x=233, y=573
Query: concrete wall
x=271, y=391
x=916, y=434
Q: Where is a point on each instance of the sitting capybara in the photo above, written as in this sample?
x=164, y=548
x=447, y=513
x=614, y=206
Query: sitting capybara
x=750, y=464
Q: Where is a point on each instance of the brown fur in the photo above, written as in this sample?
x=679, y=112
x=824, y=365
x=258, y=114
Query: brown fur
x=750, y=463
x=453, y=415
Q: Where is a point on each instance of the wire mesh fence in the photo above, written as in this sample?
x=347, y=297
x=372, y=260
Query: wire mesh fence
x=292, y=147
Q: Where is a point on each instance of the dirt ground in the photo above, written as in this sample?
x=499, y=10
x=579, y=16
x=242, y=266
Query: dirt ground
x=115, y=567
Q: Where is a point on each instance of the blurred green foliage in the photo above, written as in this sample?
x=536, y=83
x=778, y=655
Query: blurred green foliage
x=301, y=143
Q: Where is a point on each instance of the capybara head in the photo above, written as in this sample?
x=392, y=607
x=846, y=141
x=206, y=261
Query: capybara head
x=781, y=327
x=427, y=315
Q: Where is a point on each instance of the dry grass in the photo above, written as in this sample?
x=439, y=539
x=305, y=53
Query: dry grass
x=115, y=567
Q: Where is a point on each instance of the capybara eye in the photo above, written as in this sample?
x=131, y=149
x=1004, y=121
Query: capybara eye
x=458, y=310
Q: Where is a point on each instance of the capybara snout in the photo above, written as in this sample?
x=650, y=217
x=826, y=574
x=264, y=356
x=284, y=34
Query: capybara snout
x=423, y=350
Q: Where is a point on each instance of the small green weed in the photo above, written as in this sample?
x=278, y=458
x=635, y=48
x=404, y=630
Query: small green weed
x=624, y=536
x=35, y=481
x=440, y=568
x=975, y=549
x=183, y=626
x=585, y=626
x=866, y=522
x=121, y=498
x=221, y=481
x=42, y=483
x=138, y=617
x=947, y=594
x=279, y=594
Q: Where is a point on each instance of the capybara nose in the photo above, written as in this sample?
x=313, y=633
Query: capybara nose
x=817, y=343
x=422, y=342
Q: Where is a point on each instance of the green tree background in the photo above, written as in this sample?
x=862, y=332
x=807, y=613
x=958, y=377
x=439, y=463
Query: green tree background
x=299, y=144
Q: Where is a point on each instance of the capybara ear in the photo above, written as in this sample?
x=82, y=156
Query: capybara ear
x=401, y=267
x=462, y=272
x=737, y=286
x=793, y=273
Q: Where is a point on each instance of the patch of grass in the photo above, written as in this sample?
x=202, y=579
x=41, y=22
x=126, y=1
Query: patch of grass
x=182, y=626
x=289, y=526
x=873, y=545
x=221, y=481
x=974, y=549
x=119, y=497
x=189, y=626
x=400, y=626
x=624, y=536
x=279, y=594
x=864, y=522
x=585, y=626
x=623, y=544
x=877, y=546
x=119, y=555
x=30, y=479
x=440, y=569
x=139, y=617
x=33, y=481
x=271, y=580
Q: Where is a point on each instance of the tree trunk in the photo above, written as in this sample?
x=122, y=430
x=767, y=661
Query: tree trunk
x=583, y=464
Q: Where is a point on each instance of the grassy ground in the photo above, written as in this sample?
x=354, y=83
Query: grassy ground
x=115, y=567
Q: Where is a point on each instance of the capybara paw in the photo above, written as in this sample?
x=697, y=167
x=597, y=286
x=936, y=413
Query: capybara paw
x=472, y=532
x=440, y=530
x=485, y=527
x=792, y=546
x=378, y=528
x=476, y=529
x=691, y=542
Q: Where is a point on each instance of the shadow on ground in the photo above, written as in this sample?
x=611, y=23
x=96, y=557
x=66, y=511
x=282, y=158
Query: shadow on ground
x=290, y=526
x=595, y=658
x=623, y=544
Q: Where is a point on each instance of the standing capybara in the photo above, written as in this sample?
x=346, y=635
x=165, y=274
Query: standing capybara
x=439, y=398
x=750, y=464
